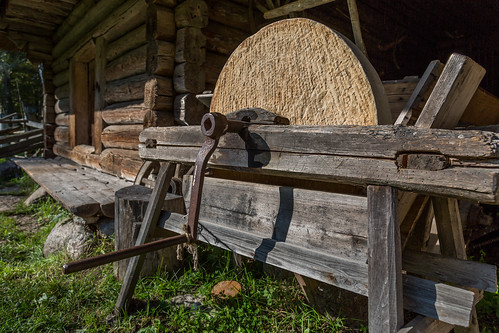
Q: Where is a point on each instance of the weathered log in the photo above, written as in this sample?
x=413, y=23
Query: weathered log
x=62, y=92
x=223, y=39
x=191, y=13
x=100, y=88
x=300, y=53
x=126, y=113
x=121, y=136
x=60, y=65
x=189, y=78
x=124, y=90
x=166, y=3
x=62, y=119
x=160, y=23
x=213, y=66
x=160, y=58
x=190, y=46
x=157, y=93
x=129, y=15
x=131, y=63
x=188, y=110
x=127, y=42
x=61, y=78
x=61, y=134
x=158, y=119
x=229, y=13
x=482, y=110
x=73, y=18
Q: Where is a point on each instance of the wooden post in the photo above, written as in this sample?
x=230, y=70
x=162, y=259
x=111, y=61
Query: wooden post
x=100, y=88
x=385, y=261
x=158, y=195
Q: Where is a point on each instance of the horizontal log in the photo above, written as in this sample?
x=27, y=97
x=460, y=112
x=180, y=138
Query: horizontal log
x=62, y=119
x=127, y=113
x=62, y=92
x=129, y=64
x=76, y=15
x=166, y=3
x=62, y=106
x=223, y=39
x=61, y=134
x=229, y=13
x=61, y=78
x=128, y=89
x=160, y=58
x=158, y=93
x=121, y=136
x=160, y=23
x=130, y=41
x=439, y=301
x=191, y=13
x=384, y=141
x=295, y=6
x=189, y=78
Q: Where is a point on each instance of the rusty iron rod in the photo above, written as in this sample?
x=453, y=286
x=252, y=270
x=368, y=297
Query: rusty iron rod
x=80, y=265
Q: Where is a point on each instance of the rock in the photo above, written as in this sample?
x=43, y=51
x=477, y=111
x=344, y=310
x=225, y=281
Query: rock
x=9, y=170
x=106, y=226
x=70, y=237
x=36, y=196
x=193, y=302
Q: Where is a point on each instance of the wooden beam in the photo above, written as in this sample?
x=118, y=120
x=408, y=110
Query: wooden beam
x=295, y=6
x=422, y=324
x=386, y=313
x=100, y=88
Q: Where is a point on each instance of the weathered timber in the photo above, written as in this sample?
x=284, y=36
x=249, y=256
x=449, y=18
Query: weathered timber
x=62, y=92
x=423, y=87
x=126, y=113
x=128, y=89
x=61, y=134
x=60, y=65
x=129, y=64
x=300, y=53
x=166, y=3
x=121, y=136
x=222, y=39
x=213, y=66
x=188, y=110
x=458, y=271
x=190, y=46
x=128, y=16
x=450, y=231
x=160, y=23
x=417, y=296
x=415, y=209
x=157, y=93
x=131, y=204
x=476, y=184
x=73, y=18
x=189, y=78
x=386, y=312
x=62, y=119
x=158, y=119
x=9, y=130
x=452, y=93
x=160, y=58
x=81, y=100
x=229, y=13
x=426, y=325
x=348, y=274
x=99, y=90
x=32, y=143
x=130, y=41
x=383, y=141
x=191, y=13
x=398, y=93
x=61, y=78
x=482, y=110
x=295, y=6
x=151, y=216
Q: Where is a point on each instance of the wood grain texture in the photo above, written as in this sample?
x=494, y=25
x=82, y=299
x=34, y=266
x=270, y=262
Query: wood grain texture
x=386, y=312
x=422, y=324
x=304, y=71
x=121, y=136
x=126, y=113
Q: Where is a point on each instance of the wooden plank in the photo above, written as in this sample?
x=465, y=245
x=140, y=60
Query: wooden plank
x=191, y=13
x=452, y=93
x=482, y=110
x=462, y=272
x=9, y=130
x=417, y=298
x=450, y=231
x=429, y=76
x=295, y=6
x=20, y=136
x=384, y=141
x=100, y=88
x=151, y=216
x=476, y=184
x=386, y=312
x=422, y=324
x=23, y=146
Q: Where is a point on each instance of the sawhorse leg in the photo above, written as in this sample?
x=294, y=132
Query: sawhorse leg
x=386, y=313
x=158, y=195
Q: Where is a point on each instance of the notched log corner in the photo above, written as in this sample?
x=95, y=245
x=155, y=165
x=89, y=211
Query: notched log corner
x=430, y=162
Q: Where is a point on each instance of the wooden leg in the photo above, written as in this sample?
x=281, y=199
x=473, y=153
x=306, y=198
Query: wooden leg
x=385, y=261
x=450, y=235
x=148, y=225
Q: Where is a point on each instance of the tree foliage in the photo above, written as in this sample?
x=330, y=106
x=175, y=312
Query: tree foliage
x=20, y=86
